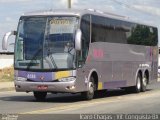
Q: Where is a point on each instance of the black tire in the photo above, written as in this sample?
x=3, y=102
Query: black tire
x=144, y=83
x=138, y=86
x=88, y=95
x=40, y=96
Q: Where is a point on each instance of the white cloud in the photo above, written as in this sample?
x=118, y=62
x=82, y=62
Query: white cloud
x=9, y=19
x=9, y=1
x=148, y=9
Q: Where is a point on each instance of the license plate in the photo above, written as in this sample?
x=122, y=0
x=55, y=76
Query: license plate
x=42, y=87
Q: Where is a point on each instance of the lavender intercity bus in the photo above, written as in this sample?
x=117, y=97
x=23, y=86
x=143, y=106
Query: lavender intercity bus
x=82, y=51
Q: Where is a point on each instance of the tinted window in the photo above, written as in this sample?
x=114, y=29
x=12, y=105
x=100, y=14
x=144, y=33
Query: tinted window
x=85, y=27
x=107, y=30
x=117, y=31
x=143, y=35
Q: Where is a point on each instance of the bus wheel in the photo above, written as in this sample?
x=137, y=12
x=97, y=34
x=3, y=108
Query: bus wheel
x=40, y=96
x=138, y=86
x=144, y=83
x=88, y=95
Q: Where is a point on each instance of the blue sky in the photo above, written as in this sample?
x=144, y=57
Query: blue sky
x=140, y=10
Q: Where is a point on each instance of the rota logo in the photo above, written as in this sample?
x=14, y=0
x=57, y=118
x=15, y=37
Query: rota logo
x=41, y=77
x=98, y=53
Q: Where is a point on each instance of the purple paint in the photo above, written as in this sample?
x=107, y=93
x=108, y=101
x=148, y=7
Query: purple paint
x=114, y=84
x=36, y=76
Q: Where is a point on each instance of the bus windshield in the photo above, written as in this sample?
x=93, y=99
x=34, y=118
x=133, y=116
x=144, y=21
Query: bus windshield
x=46, y=43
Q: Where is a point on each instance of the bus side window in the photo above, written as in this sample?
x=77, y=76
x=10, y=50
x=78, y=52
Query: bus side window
x=85, y=27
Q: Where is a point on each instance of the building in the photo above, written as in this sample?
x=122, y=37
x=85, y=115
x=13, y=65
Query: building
x=6, y=59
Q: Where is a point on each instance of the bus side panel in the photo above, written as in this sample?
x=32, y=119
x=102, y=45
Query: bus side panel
x=81, y=79
x=117, y=64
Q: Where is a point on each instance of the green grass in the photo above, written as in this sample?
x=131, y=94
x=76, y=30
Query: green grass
x=7, y=74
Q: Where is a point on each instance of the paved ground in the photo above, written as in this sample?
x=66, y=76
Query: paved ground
x=13, y=102
x=117, y=101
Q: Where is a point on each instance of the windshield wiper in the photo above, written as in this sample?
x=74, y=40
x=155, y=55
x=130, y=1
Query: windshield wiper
x=52, y=59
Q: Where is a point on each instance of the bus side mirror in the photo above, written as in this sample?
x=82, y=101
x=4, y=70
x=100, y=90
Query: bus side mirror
x=5, y=39
x=78, y=40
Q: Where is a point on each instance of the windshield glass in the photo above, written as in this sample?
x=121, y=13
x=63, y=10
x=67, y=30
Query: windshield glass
x=46, y=43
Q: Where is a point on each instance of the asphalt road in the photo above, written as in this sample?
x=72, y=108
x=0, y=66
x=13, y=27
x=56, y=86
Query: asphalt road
x=114, y=102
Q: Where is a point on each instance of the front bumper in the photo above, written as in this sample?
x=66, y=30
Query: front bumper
x=57, y=87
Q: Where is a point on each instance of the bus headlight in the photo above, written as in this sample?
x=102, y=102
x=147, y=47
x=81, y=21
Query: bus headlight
x=21, y=79
x=68, y=79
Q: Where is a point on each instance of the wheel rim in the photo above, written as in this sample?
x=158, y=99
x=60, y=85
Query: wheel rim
x=144, y=81
x=138, y=84
x=91, y=88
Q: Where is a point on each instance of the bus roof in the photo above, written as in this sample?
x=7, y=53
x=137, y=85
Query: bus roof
x=71, y=12
x=74, y=12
